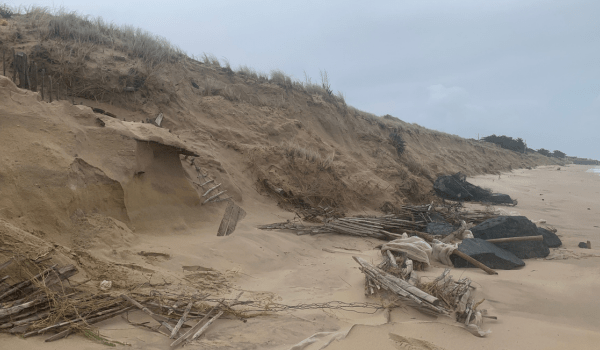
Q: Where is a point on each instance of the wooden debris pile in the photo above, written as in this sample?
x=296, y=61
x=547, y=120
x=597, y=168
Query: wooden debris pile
x=301, y=205
x=378, y=281
x=210, y=189
x=409, y=219
x=458, y=296
x=397, y=281
x=45, y=302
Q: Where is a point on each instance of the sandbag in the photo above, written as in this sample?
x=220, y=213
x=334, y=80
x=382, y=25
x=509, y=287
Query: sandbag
x=415, y=248
x=442, y=251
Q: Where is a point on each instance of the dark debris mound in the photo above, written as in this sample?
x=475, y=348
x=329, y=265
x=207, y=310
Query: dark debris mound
x=487, y=253
x=455, y=187
x=513, y=226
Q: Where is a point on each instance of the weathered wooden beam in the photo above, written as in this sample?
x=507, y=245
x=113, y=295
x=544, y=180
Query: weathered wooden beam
x=516, y=239
x=210, y=190
x=213, y=197
x=233, y=213
x=474, y=262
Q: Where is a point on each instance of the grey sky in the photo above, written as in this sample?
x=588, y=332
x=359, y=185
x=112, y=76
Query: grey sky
x=526, y=68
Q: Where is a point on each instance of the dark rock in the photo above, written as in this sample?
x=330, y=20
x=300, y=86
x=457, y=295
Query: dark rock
x=487, y=253
x=513, y=226
x=455, y=187
x=550, y=238
x=439, y=228
x=583, y=245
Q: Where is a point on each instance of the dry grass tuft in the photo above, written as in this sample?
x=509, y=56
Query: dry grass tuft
x=294, y=151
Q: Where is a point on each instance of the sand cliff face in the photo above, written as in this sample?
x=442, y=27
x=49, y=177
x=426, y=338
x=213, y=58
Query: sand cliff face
x=61, y=159
x=240, y=128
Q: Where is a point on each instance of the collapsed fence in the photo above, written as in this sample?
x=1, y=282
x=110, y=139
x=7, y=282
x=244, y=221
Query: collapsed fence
x=26, y=74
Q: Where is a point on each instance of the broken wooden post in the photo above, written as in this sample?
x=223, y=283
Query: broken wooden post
x=43, y=82
x=14, y=67
x=35, y=76
x=4, y=62
x=26, y=71
x=159, y=119
x=21, y=70
x=50, y=90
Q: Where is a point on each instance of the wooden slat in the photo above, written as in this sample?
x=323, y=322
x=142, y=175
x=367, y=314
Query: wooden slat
x=233, y=213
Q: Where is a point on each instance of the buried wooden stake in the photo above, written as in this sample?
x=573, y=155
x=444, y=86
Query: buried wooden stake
x=14, y=66
x=43, y=82
x=50, y=90
x=37, y=82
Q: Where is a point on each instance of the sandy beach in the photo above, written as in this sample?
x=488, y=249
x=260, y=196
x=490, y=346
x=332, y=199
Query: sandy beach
x=548, y=304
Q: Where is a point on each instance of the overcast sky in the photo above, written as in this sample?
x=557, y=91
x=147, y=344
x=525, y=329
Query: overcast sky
x=523, y=68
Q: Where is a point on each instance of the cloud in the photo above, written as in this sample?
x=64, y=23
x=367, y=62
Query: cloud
x=451, y=105
x=439, y=95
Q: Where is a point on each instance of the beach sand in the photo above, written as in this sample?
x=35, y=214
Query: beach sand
x=548, y=304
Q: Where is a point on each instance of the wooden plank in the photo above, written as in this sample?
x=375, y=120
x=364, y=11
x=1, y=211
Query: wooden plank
x=210, y=190
x=516, y=239
x=213, y=197
x=181, y=320
x=159, y=119
x=205, y=327
x=233, y=214
x=191, y=330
